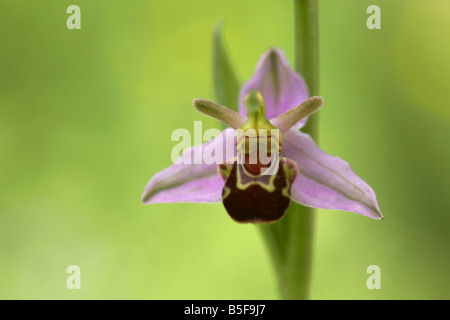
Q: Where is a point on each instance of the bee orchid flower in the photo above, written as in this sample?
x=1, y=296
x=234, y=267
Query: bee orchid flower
x=274, y=100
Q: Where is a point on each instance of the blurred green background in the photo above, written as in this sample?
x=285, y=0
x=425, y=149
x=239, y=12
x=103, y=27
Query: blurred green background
x=86, y=118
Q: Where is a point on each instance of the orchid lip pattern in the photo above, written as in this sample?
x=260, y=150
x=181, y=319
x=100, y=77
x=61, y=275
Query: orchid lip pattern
x=310, y=176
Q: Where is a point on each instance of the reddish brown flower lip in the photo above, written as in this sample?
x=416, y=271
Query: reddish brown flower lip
x=263, y=199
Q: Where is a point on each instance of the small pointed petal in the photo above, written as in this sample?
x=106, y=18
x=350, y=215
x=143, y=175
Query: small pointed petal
x=288, y=119
x=192, y=182
x=224, y=170
x=325, y=181
x=281, y=87
x=216, y=111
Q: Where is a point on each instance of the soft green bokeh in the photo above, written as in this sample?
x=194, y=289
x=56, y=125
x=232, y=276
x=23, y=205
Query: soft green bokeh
x=86, y=118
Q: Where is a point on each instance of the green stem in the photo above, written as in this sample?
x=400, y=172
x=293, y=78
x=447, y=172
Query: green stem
x=290, y=239
x=307, y=52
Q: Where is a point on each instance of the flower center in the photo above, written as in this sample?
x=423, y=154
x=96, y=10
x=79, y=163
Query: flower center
x=258, y=141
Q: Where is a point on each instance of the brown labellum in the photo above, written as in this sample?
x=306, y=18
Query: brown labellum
x=250, y=198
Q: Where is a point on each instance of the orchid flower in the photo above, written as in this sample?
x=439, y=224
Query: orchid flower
x=305, y=174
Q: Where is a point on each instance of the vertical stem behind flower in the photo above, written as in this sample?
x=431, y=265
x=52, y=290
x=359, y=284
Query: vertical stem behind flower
x=300, y=218
x=307, y=52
